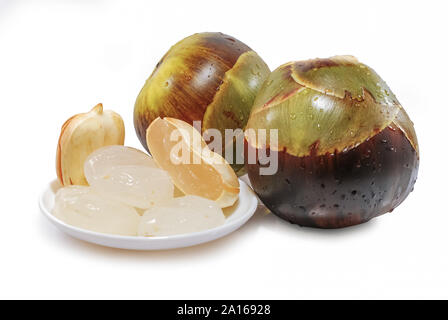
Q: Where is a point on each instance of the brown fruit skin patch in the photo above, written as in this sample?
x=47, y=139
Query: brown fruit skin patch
x=186, y=79
x=341, y=189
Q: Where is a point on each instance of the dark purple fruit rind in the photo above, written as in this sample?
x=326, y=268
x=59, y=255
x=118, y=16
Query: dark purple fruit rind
x=342, y=189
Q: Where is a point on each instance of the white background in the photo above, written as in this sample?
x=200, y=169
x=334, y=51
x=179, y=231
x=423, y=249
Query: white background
x=58, y=58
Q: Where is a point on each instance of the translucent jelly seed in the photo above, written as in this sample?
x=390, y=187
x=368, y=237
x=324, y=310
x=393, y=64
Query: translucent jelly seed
x=181, y=215
x=103, y=159
x=137, y=186
x=81, y=207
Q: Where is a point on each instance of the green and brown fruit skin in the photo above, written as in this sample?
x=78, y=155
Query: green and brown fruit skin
x=208, y=77
x=347, y=150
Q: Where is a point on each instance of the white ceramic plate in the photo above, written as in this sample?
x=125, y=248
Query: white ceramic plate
x=236, y=215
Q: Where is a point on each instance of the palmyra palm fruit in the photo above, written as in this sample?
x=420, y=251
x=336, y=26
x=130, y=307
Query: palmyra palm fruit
x=347, y=151
x=208, y=77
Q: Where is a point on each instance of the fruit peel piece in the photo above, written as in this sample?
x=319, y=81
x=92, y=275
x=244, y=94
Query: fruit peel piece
x=240, y=84
x=82, y=134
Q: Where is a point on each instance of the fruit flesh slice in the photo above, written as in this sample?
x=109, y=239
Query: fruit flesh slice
x=181, y=215
x=211, y=178
x=102, y=159
x=137, y=186
x=128, y=175
x=81, y=207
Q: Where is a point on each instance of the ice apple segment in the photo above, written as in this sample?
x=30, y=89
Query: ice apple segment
x=181, y=215
x=128, y=175
x=200, y=171
x=137, y=186
x=108, y=157
x=81, y=207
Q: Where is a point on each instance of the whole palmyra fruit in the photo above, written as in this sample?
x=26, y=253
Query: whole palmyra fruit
x=347, y=151
x=208, y=77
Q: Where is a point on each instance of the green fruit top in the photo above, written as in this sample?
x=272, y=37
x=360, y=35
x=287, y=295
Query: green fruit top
x=325, y=106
